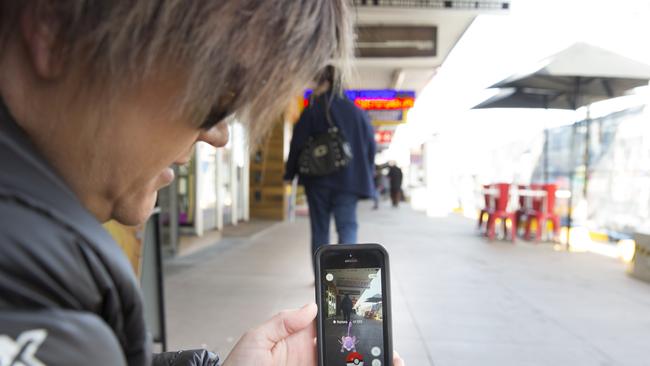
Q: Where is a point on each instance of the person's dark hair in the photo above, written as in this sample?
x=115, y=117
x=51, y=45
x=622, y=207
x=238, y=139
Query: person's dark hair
x=330, y=76
x=257, y=54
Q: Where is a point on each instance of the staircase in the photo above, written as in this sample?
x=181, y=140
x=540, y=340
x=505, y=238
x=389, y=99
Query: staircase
x=269, y=198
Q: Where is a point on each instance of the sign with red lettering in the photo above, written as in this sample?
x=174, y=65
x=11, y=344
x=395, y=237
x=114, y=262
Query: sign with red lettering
x=377, y=100
x=385, y=104
x=384, y=137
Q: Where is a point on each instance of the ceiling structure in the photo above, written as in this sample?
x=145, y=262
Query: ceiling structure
x=401, y=43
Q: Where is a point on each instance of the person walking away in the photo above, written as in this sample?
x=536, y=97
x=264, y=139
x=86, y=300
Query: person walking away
x=346, y=308
x=335, y=194
x=395, y=179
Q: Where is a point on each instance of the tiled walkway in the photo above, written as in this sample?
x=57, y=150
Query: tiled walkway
x=457, y=299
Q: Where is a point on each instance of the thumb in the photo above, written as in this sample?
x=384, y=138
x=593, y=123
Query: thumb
x=287, y=323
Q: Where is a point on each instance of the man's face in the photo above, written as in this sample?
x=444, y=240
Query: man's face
x=114, y=153
x=139, y=143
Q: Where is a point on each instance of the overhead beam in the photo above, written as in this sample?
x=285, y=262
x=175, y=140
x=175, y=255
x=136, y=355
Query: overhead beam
x=489, y=5
x=397, y=79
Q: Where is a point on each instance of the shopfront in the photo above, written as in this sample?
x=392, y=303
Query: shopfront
x=209, y=192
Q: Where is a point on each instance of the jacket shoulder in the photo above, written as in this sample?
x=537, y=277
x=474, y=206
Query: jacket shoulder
x=43, y=263
x=48, y=265
x=57, y=337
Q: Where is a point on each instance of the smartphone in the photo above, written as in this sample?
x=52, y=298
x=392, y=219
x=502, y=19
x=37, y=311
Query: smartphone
x=353, y=297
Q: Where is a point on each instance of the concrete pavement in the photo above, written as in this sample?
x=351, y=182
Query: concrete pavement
x=457, y=300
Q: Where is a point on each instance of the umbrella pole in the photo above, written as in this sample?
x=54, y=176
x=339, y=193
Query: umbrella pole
x=576, y=104
x=587, y=151
x=571, y=179
x=546, y=141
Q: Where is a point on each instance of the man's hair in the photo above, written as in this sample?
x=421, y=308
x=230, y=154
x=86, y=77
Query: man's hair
x=262, y=52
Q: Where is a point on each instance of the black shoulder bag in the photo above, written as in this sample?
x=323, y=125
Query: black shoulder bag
x=326, y=153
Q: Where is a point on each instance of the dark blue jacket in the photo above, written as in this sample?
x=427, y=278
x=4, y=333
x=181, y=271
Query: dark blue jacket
x=354, y=124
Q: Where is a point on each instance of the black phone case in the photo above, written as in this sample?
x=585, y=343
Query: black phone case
x=388, y=319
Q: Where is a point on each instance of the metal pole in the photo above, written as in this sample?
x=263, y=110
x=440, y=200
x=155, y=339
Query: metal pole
x=160, y=283
x=587, y=151
x=246, y=181
x=173, y=214
x=233, y=178
x=576, y=104
x=219, y=188
x=571, y=178
x=546, y=138
x=198, y=189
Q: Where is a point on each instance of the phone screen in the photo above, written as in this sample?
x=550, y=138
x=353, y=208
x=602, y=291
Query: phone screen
x=352, y=295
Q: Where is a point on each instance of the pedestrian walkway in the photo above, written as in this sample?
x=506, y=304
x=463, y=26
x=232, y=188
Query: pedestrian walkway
x=457, y=300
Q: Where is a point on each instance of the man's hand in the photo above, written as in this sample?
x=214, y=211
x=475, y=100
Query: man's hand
x=288, y=339
x=397, y=360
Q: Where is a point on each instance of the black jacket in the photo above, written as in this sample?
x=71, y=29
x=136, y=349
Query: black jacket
x=346, y=304
x=358, y=176
x=395, y=177
x=68, y=295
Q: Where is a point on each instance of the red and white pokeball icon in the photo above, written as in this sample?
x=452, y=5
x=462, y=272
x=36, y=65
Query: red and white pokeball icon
x=354, y=359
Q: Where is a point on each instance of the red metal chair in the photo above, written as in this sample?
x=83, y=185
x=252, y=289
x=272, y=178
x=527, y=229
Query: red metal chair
x=485, y=208
x=533, y=205
x=499, y=210
x=537, y=202
x=543, y=214
x=523, y=208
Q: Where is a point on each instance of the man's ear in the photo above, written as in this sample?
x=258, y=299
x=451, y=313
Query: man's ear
x=40, y=30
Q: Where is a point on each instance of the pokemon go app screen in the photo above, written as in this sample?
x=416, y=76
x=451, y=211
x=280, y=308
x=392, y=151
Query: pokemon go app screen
x=353, y=317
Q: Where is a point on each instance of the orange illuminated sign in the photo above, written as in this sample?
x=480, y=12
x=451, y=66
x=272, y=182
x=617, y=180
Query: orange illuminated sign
x=384, y=104
x=376, y=100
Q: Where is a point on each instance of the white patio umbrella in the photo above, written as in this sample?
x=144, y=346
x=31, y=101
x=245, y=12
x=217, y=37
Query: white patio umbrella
x=578, y=76
x=584, y=72
x=529, y=98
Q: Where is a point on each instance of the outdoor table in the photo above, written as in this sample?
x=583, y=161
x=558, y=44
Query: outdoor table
x=490, y=191
x=532, y=193
x=528, y=194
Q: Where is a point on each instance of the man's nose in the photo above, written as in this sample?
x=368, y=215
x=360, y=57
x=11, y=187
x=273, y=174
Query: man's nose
x=216, y=136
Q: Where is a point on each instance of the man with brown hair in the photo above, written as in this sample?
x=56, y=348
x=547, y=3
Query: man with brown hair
x=97, y=99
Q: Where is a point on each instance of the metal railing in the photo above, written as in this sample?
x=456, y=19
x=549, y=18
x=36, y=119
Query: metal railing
x=438, y=4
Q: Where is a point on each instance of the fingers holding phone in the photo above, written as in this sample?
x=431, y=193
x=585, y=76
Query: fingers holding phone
x=287, y=339
x=397, y=360
x=353, y=322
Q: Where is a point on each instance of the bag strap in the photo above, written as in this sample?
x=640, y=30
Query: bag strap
x=328, y=115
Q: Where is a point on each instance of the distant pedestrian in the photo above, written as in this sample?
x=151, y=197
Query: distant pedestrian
x=395, y=177
x=346, y=308
x=378, y=187
x=334, y=194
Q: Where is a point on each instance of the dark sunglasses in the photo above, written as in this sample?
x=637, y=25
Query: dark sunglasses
x=219, y=112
